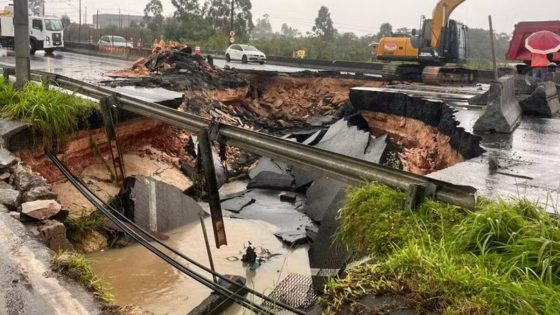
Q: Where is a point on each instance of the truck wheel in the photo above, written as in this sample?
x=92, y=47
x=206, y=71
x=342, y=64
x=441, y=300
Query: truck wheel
x=32, y=48
x=244, y=59
x=49, y=51
x=228, y=58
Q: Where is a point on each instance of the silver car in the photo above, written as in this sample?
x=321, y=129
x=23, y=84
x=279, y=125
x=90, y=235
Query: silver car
x=245, y=54
x=115, y=41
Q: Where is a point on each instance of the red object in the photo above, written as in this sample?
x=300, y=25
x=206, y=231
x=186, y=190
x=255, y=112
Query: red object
x=517, y=49
x=539, y=61
x=543, y=42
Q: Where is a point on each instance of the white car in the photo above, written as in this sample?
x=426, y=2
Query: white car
x=245, y=54
x=115, y=41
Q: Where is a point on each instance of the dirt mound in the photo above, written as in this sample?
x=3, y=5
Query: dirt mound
x=174, y=67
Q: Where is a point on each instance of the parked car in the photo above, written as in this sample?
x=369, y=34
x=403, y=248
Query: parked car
x=116, y=41
x=245, y=54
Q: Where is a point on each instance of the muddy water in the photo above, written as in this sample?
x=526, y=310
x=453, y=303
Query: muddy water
x=140, y=278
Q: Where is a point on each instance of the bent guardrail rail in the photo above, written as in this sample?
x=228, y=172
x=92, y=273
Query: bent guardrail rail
x=336, y=166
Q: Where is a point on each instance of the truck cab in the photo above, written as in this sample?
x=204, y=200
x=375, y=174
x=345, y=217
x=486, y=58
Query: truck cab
x=46, y=33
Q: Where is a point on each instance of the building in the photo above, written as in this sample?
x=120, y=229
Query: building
x=118, y=20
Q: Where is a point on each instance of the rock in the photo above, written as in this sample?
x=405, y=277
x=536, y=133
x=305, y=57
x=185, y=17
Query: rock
x=24, y=180
x=53, y=234
x=4, y=185
x=39, y=193
x=91, y=242
x=271, y=180
x=5, y=177
x=41, y=209
x=7, y=159
x=3, y=209
x=10, y=198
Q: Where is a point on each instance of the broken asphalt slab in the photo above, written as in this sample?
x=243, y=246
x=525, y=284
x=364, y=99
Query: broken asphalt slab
x=157, y=206
x=237, y=204
x=320, y=195
x=272, y=181
x=268, y=165
x=290, y=222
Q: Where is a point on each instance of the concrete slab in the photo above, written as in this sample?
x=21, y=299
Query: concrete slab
x=503, y=112
x=327, y=259
x=320, y=195
x=15, y=135
x=157, y=206
x=543, y=102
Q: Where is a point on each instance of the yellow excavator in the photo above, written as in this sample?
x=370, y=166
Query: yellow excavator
x=440, y=41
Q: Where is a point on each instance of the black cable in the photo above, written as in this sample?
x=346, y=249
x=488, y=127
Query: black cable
x=206, y=282
x=190, y=260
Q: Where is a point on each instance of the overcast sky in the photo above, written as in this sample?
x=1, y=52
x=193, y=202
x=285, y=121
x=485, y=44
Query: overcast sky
x=359, y=16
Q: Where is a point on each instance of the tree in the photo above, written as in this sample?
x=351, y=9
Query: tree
x=324, y=28
x=289, y=32
x=153, y=16
x=65, y=19
x=385, y=30
x=186, y=8
x=404, y=30
x=217, y=13
x=36, y=6
x=262, y=29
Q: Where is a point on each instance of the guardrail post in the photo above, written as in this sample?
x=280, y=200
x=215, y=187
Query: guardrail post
x=205, y=151
x=107, y=106
x=417, y=193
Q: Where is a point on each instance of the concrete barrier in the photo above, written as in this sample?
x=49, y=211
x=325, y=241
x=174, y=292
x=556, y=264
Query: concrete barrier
x=503, y=113
x=543, y=101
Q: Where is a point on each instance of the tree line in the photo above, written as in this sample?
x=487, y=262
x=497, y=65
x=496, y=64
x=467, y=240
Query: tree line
x=208, y=22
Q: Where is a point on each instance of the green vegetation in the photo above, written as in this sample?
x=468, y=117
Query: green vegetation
x=77, y=267
x=55, y=114
x=77, y=227
x=503, y=258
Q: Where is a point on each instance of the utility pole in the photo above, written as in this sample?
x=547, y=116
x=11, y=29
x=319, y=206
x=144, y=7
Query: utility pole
x=80, y=21
x=43, y=8
x=22, y=47
x=120, y=22
x=97, y=21
x=231, y=19
x=492, y=38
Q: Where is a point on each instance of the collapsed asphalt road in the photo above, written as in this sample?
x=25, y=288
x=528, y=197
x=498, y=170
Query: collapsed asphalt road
x=27, y=284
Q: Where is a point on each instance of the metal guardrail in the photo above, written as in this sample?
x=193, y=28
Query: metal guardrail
x=325, y=163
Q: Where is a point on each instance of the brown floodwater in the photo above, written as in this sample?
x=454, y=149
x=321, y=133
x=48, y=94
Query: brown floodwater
x=142, y=279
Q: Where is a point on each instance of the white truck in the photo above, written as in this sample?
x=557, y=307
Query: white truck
x=45, y=33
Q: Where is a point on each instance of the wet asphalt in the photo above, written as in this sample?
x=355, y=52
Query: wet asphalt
x=28, y=286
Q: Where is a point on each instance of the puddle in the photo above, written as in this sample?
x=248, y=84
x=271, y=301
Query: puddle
x=140, y=278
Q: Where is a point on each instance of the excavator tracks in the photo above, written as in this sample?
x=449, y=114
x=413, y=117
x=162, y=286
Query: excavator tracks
x=429, y=74
x=448, y=76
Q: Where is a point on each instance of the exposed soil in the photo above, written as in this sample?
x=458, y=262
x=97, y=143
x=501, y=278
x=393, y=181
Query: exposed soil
x=424, y=148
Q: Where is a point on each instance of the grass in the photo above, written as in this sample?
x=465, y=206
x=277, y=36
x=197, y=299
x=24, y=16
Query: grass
x=77, y=267
x=53, y=113
x=77, y=227
x=503, y=258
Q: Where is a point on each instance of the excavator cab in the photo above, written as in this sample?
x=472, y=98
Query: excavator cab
x=452, y=48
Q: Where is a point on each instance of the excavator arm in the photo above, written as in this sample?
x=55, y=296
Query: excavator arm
x=440, y=18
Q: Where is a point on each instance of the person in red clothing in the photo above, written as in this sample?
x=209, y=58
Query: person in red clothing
x=539, y=65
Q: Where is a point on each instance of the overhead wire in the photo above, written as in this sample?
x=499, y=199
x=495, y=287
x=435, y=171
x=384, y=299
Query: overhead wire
x=131, y=232
x=174, y=251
